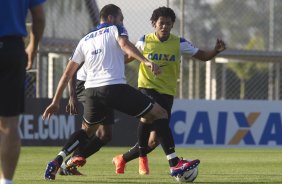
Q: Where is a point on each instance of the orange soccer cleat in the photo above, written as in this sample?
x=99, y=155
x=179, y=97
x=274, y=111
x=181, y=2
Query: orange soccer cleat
x=143, y=166
x=119, y=163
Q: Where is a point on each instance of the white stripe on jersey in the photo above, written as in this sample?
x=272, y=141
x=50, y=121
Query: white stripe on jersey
x=104, y=59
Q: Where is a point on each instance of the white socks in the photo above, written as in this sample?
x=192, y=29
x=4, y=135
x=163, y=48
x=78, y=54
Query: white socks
x=171, y=156
x=62, y=154
x=5, y=181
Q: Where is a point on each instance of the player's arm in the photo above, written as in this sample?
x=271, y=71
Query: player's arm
x=128, y=59
x=205, y=55
x=38, y=24
x=72, y=103
x=130, y=49
x=67, y=75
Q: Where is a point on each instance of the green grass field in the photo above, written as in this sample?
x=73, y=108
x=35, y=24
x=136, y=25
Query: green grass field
x=218, y=166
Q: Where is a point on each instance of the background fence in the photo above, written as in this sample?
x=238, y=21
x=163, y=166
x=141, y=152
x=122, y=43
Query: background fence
x=249, y=69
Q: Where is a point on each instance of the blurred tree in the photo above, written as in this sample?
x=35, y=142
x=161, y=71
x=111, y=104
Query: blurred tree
x=201, y=24
x=246, y=70
x=240, y=18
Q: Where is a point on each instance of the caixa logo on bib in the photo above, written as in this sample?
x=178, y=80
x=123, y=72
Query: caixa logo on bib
x=226, y=128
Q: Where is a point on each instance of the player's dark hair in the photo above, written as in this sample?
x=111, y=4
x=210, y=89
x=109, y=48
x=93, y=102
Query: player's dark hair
x=163, y=12
x=107, y=10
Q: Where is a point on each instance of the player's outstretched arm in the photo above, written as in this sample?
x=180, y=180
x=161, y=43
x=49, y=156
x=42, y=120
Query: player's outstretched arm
x=205, y=55
x=67, y=75
x=130, y=49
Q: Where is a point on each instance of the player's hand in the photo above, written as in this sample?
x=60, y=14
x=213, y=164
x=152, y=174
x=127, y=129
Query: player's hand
x=219, y=46
x=30, y=57
x=50, y=110
x=154, y=67
x=71, y=107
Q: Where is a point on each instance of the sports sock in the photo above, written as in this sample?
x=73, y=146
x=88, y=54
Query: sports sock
x=5, y=181
x=91, y=147
x=60, y=157
x=77, y=138
x=133, y=153
x=165, y=136
x=172, y=159
x=143, y=134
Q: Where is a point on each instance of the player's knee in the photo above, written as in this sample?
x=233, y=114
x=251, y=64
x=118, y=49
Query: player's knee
x=153, y=143
x=89, y=130
x=157, y=112
x=104, y=136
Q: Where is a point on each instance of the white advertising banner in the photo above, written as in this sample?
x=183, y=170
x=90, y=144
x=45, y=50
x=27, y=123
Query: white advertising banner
x=227, y=123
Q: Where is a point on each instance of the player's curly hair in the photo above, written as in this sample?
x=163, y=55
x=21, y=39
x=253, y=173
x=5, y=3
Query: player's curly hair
x=162, y=12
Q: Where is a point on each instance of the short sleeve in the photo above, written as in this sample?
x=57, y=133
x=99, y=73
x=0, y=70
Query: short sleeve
x=78, y=55
x=121, y=31
x=187, y=47
x=140, y=44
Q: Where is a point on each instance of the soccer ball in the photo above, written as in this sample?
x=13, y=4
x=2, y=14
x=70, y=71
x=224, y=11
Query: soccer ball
x=188, y=176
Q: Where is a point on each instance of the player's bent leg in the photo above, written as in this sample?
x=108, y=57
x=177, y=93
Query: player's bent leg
x=10, y=146
x=103, y=135
x=77, y=139
x=153, y=140
x=157, y=112
x=144, y=129
x=143, y=161
x=89, y=129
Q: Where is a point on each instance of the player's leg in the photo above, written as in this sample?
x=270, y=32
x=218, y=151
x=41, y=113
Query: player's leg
x=120, y=160
x=99, y=135
x=161, y=126
x=10, y=146
x=131, y=101
x=98, y=118
x=77, y=139
x=12, y=77
x=165, y=137
x=102, y=137
x=177, y=166
x=69, y=166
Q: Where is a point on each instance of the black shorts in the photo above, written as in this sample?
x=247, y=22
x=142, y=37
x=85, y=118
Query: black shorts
x=101, y=101
x=164, y=100
x=80, y=93
x=13, y=61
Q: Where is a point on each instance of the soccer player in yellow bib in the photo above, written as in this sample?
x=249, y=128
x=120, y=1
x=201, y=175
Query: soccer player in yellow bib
x=164, y=49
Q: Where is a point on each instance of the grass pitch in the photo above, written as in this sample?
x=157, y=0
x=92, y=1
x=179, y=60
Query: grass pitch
x=218, y=166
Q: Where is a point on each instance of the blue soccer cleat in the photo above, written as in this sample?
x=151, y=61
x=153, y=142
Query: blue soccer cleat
x=51, y=170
